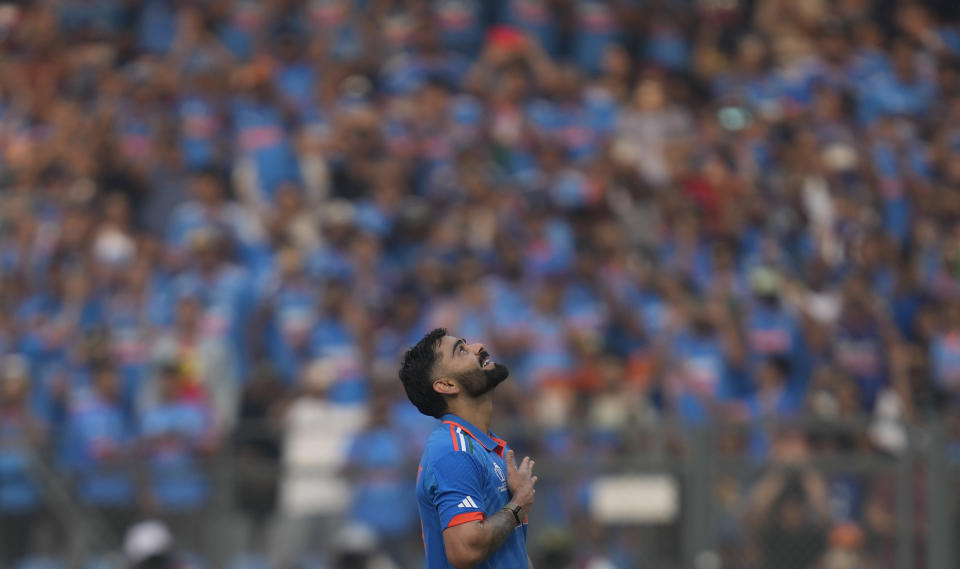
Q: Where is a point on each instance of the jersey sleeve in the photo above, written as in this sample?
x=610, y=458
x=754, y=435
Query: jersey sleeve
x=458, y=497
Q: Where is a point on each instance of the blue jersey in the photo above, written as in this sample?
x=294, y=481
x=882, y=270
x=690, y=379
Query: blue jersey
x=462, y=478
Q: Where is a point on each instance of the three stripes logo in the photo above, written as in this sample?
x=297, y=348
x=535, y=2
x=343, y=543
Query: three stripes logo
x=468, y=503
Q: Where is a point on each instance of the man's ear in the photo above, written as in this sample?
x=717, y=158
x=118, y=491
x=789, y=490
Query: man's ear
x=446, y=386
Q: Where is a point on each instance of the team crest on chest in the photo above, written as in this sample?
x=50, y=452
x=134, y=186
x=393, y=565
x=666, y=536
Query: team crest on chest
x=499, y=472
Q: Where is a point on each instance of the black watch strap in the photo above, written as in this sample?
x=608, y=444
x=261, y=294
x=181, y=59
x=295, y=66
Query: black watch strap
x=517, y=512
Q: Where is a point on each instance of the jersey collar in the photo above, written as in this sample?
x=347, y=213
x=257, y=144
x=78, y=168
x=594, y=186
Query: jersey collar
x=489, y=442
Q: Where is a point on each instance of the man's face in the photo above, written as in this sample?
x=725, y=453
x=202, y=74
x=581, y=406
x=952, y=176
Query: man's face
x=469, y=365
x=106, y=384
x=188, y=312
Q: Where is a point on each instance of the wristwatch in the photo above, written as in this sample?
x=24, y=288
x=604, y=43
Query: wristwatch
x=517, y=512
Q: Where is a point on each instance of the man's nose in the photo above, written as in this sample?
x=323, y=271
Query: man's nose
x=476, y=348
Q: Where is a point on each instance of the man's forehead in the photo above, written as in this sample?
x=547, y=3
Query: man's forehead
x=446, y=345
x=447, y=342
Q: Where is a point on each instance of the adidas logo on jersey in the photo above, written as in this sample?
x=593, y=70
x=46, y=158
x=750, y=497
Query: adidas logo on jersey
x=468, y=503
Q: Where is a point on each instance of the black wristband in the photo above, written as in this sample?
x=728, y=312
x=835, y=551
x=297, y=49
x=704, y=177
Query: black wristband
x=516, y=510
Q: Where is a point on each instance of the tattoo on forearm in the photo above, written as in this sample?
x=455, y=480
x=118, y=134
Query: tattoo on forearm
x=501, y=526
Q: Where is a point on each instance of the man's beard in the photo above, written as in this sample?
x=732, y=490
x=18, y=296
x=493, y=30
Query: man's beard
x=480, y=381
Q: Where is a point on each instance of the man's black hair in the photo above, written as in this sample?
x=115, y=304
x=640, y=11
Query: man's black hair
x=416, y=374
x=782, y=365
x=158, y=561
x=218, y=174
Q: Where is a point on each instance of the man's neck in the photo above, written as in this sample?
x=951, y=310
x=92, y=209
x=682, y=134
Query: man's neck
x=477, y=411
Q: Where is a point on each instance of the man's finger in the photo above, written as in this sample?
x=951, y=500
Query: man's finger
x=523, y=464
x=511, y=463
x=534, y=480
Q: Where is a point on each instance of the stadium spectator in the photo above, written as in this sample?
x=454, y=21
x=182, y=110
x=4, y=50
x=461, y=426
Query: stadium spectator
x=21, y=432
x=257, y=452
x=789, y=509
x=100, y=449
x=150, y=545
x=699, y=377
x=376, y=464
x=845, y=551
x=314, y=494
x=357, y=546
x=193, y=347
x=176, y=434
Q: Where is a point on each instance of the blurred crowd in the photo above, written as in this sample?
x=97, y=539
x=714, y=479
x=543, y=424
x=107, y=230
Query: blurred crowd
x=221, y=222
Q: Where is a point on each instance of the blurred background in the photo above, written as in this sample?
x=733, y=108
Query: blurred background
x=716, y=241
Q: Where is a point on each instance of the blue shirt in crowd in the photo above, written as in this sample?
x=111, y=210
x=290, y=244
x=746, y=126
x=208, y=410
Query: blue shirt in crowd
x=176, y=427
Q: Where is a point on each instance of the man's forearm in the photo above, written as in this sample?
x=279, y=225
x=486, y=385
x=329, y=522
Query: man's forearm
x=472, y=543
x=500, y=526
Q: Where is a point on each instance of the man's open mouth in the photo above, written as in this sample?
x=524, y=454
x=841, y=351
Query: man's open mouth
x=484, y=359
